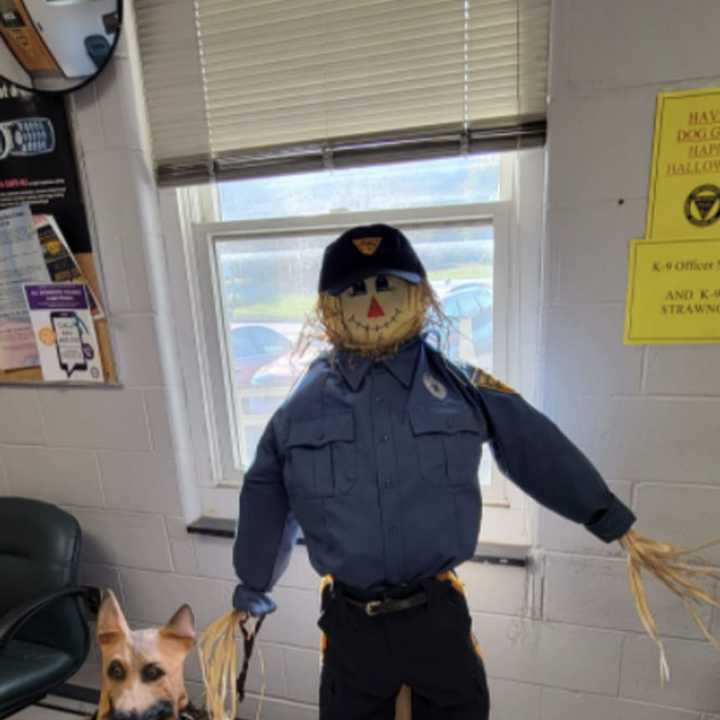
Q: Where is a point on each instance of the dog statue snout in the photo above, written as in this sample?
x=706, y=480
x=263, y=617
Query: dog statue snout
x=161, y=710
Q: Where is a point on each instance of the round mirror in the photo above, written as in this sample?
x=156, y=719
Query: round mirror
x=56, y=45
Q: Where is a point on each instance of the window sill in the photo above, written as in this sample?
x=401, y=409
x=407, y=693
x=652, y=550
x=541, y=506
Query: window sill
x=495, y=553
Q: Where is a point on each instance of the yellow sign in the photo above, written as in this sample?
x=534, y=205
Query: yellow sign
x=673, y=292
x=684, y=193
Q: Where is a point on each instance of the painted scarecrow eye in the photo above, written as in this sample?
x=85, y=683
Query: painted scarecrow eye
x=116, y=671
x=358, y=288
x=151, y=673
x=382, y=284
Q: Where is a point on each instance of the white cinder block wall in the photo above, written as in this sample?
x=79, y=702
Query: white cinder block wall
x=648, y=417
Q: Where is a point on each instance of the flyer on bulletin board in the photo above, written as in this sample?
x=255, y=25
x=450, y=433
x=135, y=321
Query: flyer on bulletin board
x=684, y=192
x=673, y=292
x=21, y=261
x=64, y=331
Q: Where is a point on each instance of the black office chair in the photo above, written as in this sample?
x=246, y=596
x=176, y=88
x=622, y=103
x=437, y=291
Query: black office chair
x=44, y=636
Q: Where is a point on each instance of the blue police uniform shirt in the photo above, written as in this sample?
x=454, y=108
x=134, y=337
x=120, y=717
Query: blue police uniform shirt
x=377, y=463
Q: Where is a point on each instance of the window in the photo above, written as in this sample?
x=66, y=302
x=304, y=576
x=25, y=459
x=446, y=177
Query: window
x=253, y=250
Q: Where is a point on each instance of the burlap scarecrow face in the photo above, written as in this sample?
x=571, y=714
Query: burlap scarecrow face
x=380, y=312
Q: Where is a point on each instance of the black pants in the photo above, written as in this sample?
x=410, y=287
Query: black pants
x=429, y=648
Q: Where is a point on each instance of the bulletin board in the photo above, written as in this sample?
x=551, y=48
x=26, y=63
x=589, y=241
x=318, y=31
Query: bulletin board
x=39, y=180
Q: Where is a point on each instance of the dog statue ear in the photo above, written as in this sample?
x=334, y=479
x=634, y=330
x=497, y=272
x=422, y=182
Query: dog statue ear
x=181, y=625
x=111, y=622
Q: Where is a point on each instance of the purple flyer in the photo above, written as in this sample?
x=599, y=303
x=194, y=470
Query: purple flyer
x=64, y=331
x=57, y=296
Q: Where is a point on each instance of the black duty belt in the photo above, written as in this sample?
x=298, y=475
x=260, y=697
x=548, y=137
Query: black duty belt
x=391, y=600
x=389, y=605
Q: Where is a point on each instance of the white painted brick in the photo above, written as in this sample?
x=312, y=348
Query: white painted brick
x=104, y=577
x=196, y=693
x=275, y=709
x=694, y=673
x=596, y=593
x=585, y=351
x=89, y=675
x=126, y=539
x=273, y=677
x=182, y=548
x=566, y=656
x=643, y=438
x=123, y=194
x=146, y=482
x=87, y=118
x=95, y=418
x=685, y=516
x=494, y=588
x=115, y=283
x=302, y=669
x=295, y=621
x=214, y=557
x=589, y=249
x=156, y=403
x=599, y=149
x=118, y=106
x=153, y=597
x=20, y=419
x=619, y=44
x=562, y=705
x=557, y=533
x=56, y=476
x=138, y=352
x=682, y=370
x=511, y=700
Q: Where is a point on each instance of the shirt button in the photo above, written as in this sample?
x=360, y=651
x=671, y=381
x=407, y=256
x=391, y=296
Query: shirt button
x=379, y=398
x=385, y=438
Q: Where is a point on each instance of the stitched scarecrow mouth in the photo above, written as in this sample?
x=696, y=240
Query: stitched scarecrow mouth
x=367, y=327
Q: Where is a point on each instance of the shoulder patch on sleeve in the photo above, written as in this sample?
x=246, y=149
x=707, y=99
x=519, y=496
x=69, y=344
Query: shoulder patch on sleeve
x=481, y=379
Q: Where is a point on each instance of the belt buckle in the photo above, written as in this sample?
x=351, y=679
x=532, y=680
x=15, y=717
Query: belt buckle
x=373, y=607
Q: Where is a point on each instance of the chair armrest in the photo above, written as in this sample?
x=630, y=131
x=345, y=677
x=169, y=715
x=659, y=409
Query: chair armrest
x=12, y=621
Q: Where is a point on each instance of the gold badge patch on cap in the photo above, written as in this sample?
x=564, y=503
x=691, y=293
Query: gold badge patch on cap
x=367, y=246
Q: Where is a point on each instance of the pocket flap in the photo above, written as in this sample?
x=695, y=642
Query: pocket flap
x=451, y=420
x=320, y=431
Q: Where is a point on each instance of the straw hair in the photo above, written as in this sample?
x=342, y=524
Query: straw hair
x=217, y=650
x=663, y=560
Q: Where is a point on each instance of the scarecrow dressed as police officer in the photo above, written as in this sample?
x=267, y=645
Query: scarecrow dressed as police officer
x=374, y=456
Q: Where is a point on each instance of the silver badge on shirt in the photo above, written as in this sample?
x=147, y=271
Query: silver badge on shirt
x=434, y=386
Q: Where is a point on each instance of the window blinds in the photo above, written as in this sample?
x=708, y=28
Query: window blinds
x=238, y=89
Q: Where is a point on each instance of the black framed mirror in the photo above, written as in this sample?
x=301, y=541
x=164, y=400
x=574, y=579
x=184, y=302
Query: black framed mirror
x=57, y=45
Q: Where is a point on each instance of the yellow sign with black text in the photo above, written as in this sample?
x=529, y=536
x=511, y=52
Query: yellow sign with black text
x=684, y=193
x=673, y=292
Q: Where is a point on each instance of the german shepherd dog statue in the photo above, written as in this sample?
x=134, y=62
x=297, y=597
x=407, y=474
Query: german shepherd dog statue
x=142, y=670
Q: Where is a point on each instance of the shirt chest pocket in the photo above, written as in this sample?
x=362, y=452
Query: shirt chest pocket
x=321, y=458
x=448, y=443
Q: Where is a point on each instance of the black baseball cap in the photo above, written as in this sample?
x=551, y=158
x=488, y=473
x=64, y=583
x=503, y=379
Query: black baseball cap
x=368, y=250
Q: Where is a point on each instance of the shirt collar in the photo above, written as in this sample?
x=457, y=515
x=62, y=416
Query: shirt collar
x=401, y=364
